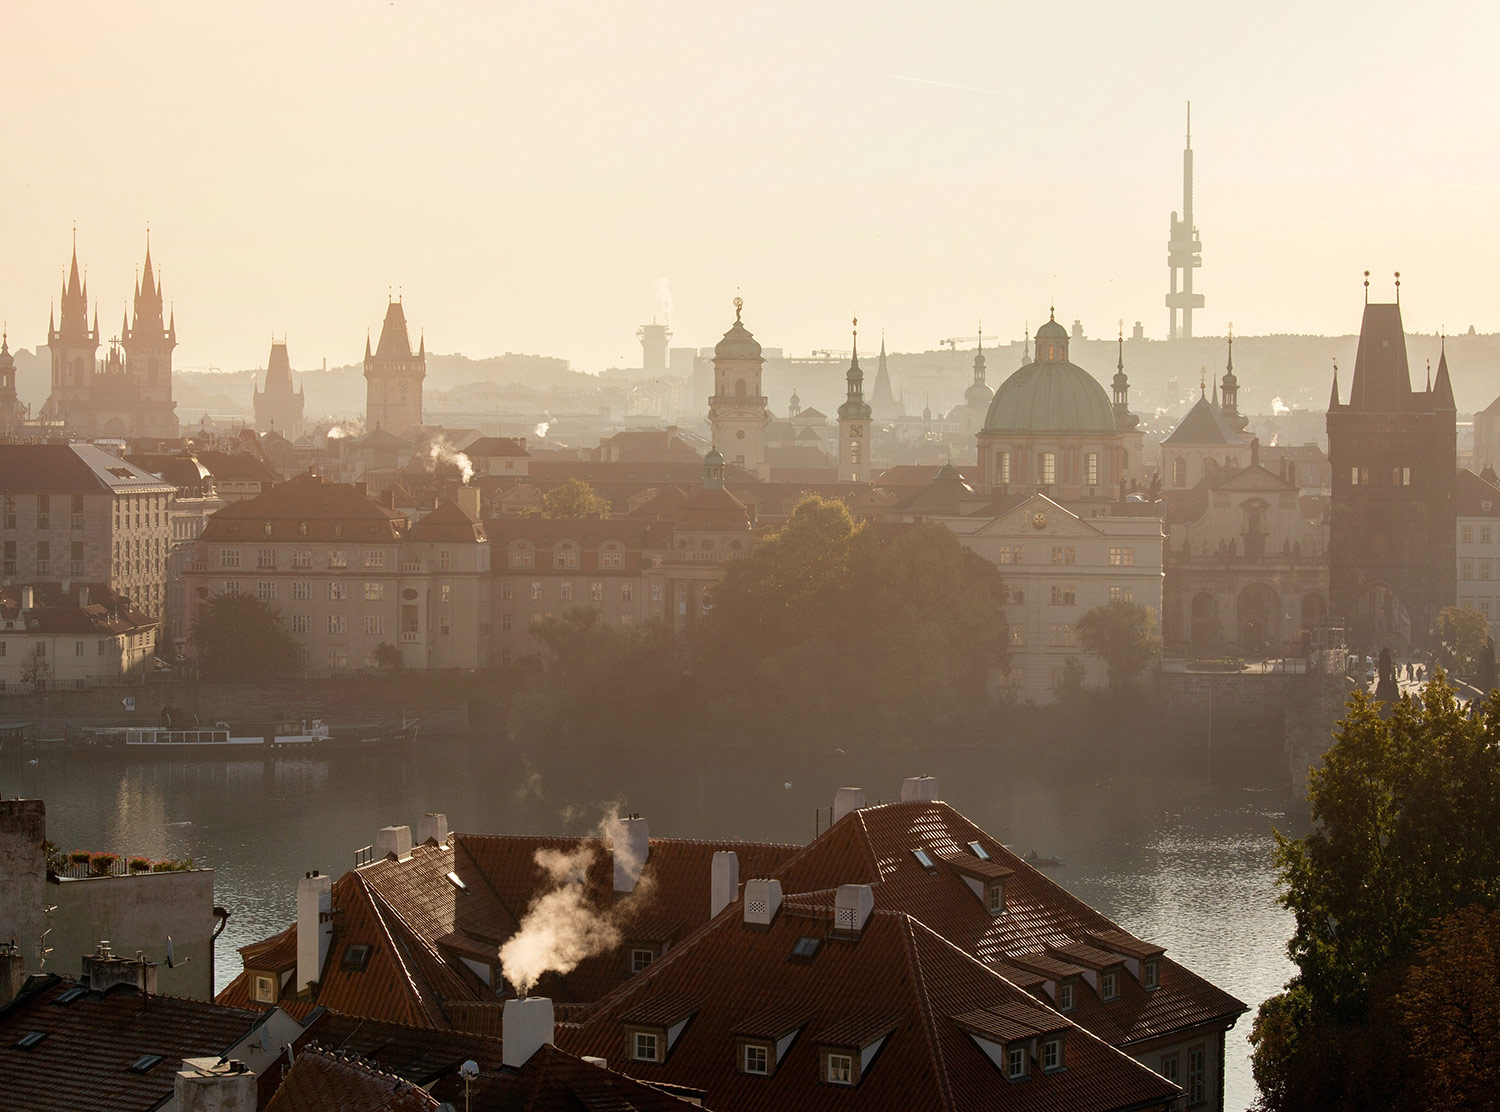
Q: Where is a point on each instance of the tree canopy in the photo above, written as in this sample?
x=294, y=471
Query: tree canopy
x=1460, y=633
x=1405, y=832
x=1123, y=635
x=236, y=637
x=574, y=498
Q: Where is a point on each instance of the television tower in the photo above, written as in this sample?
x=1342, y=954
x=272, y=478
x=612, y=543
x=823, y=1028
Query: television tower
x=1184, y=250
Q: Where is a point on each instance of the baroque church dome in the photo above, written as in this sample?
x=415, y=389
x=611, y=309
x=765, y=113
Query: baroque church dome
x=737, y=343
x=1051, y=394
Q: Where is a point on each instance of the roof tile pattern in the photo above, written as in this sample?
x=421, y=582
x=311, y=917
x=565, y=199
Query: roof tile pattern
x=322, y=1082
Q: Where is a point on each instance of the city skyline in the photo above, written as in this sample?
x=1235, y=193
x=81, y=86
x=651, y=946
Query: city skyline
x=526, y=180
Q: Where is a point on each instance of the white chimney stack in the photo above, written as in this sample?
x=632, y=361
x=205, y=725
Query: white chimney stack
x=724, y=883
x=28, y=599
x=103, y=969
x=314, y=927
x=762, y=902
x=83, y=596
x=852, y=907
x=209, y=1085
x=632, y=847
x=919, y=789
x=526, y=1026
x=393, y=839
x=846, y=800
x=433, y=826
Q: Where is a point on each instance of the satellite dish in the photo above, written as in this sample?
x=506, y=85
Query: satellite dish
x=469, y=1069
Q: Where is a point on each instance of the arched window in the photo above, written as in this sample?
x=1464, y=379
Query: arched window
x=1047, y=468
x=739, y=388
x=1179, y=472
x=1091, y=469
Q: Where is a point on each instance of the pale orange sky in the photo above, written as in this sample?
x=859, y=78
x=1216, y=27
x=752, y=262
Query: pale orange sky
x=527, y=172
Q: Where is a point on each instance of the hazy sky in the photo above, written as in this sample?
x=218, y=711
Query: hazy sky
x=527, y=173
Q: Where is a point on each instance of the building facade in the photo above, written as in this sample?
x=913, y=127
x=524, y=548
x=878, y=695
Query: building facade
x=1393, y=453
x=394, y=376
x=737, y=411
x=1478, y=547
x=53, y=639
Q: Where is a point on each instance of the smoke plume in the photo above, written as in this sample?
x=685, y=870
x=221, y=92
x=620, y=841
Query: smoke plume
x=346, y=430
x=1278, y=407
x=541, y=429
x=563, y=925
x=664, y=300
x=443, y=452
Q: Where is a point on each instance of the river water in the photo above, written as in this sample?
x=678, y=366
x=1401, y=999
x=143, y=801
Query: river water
x=1171, y=856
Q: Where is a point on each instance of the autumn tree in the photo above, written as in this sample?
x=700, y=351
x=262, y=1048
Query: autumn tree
x=36, y=669
x=1460, y=633
x=1123, y=635
x=574, y=498
x=236, y=637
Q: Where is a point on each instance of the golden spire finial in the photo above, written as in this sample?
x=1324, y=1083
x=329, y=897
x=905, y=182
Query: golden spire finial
x=1202, y=380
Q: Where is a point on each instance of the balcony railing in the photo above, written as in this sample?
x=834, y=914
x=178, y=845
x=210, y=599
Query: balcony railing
x=411, y=567
x=409, y=637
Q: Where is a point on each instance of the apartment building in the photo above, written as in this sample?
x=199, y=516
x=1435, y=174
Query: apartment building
x=56, y=639
x=1479, y=545
x=74, y=513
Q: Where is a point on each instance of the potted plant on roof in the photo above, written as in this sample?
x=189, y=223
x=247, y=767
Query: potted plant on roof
x=140, y=865
x=102, y=864
x=78, y=861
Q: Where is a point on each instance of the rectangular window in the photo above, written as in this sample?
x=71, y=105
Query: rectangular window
x=77, y=648
x=596, y=592
x=335, y=623
x=1197, y=1089
x=10, y=511
x=302, y=558
x=1015, y=595
x=1406, y=476
x=627, y=592
x=1052, y=1054
x=375, y=624
x=301, y=590
x=374, y=592
x=445, y=593
x=1465, y=568
x=1169, y=1067
x=1091, y=469
x=1065, y=997
x=566, y=558
x=229, y=557
x=612, y=560
x=1015, y=1062
x=656, y=592
x=1484, y=534
x=337, y=658
x=1109, y=986
x=640, y=958
x=231, y=586
x=1017, y=635
x=536, y=591
x=756, y=1060
x=1122, y=557
x=338, y=558
x=1484, y=569
x=374, y=558
x=1150, y=972
x=338, y=590
x=445, y=559
x=265, y=590
x=1063, y=595
x=505, y=622
x=1122, y=594
x=265, y=989
x=997, y=899
x=1046, y=469
x=301, y=623
x=643, y=1047
x=507, y=591
x=839, y=1069
x=567, y=591
x=265, y=558
x=1002, y=468
x=44, y=512
x=1354, y=476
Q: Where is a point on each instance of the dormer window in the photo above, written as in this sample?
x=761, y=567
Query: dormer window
x=640, y=957
x=265, y=988
x=1109, y=985
x=838, y=1069
x=1015, y=1063
x=1150, y=973
x=1052, y=1054
x=645, y=1046
x=1065, y=996
x=997, y=898
x=755, y=1058
x=301, y=528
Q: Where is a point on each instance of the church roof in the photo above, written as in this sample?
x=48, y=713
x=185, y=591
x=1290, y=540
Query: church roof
x=1050, y=397
x=943, y=497
x=1203, y=424
x=395, y=341
x=1382, y=379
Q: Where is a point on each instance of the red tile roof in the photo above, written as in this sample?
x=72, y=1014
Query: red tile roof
x=873, y=846
x=322, y=1082
x=84, y=1062
x=331, y=511
x=449, y=523
x=898, y=981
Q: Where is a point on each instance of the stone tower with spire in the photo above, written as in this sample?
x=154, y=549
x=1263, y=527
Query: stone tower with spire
x=393, y=376
x=148, y=346
x=11, y=412
x=883, y=403
x=73, y=346
x=854, y=423
x=1392, y=540
x=279, y=406
x=1132, y=436
x=737, y=410
x=1229, y=392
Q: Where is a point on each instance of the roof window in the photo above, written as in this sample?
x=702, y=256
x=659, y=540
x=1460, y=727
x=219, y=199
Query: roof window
x=979, y=851
x=806, y=947
x=71, y=995
x=356, y=957
x=144, y=1063
x=457, y=882
x=923, y=859
x=30, y=1039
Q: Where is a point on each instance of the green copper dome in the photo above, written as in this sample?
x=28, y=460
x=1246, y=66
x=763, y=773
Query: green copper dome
x=1051, y=394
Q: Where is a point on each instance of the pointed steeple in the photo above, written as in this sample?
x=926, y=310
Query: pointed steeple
x=1124, y=419
x=1231, y=395
x=367, y=347
x=1442, y=397
x=1333, y=400
x=854, y=406
x=883, y=403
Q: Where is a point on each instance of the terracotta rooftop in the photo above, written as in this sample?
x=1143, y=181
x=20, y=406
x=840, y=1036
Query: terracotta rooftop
x=132, y=1049
x=320, y=1081
x=450, y=523
x=330, y=512
x=57, y=611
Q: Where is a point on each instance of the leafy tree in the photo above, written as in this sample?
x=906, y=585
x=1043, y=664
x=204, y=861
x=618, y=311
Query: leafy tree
x=1123, y=635
x=1460, y=632
x=388, y=656
x=36, y=669
x=236, y=637
x=574, y=498
x=1404, y=832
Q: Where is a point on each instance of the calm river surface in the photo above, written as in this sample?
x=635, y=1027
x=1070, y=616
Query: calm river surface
x=1171, y=857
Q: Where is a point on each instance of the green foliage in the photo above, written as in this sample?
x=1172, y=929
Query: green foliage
x=1405, y=831
x=574, y=498
x=1460, y=633
x=236, y=637
x=388, y=656
x=1123, y=635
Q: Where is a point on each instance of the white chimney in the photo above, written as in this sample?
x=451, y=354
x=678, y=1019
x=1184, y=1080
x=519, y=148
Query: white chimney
x=724, y=883
x=28, y=599
x=919, y=789
x=83, y=596
x=762, y=902
x=314, y=927
x=103, y=969
x=852, y=907
x=526, y=1026
x=209, y=1085
x=393, y=839
x=846, y=800
x=632, y=847
x=467, y=498
x=433, y=826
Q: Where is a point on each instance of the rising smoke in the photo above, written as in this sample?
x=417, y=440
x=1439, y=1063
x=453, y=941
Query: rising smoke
x=540, y=432
x=664, y=300
x=563, y=925
x=442, y=452
x=351, y=429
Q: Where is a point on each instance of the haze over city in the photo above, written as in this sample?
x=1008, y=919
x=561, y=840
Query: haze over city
x=525, y=175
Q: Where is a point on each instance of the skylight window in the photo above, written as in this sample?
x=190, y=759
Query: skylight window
x=922, y=858
x=144, y=1063
x=356, y=957
x=806, y=947
x=68, y=997
x=979, y=851
x=30, y=1039
x=457, y=882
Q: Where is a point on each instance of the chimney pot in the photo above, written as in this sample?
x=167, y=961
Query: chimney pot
x=433, y=826
x=526, y=1026
x=393, y=839
x=208, y=1085
x=632, y=847
x=846, y=800
x=762, y=902
x=314, y=927
x=724, y=884
x=919, y=789
x=852, y=907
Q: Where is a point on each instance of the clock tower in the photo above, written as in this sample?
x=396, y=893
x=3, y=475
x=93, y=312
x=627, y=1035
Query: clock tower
x=737, y=410
x=393, y=376
x=854, y=423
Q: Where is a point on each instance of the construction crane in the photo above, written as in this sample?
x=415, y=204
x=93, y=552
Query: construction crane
x=829, y=353
x=954, y=341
